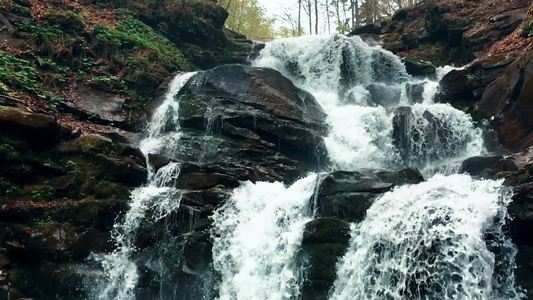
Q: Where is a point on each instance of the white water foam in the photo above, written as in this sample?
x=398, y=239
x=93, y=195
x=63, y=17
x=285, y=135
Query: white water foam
x=430, y=241
x=256, y=234
x=158, y=197
x=342, y=73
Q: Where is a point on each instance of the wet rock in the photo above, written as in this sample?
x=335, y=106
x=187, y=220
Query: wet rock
x=524, y=271
x=91, y=241
x=467, y=85
x=348, y=195
x=206, y=180
x=413, y=133
x=521, y=212
x=325, y=242
x=214, y=197
x=248, y=124
x=343, y=181
x=419, y=68
x=350, y=206
x=509, y=105
x=401, y=177
x=326, y=230
x=256, y=50
x=198, y=251
x=481, y=166
x=384, y=95
x=128, y=170
x=157, y=161
x=415, y=92
x=402, y=121
x=370, y=28
x=39, y=129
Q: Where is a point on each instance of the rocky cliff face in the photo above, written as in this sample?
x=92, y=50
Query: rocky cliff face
x=71, y=115
x=75, y=80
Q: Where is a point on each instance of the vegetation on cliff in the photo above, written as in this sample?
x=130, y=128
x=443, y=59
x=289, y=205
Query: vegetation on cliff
x=76, y=78
x=73, y=76
x=125, y=45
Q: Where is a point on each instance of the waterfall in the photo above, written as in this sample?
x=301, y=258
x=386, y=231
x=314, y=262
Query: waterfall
x=430, y=241
x=374, y=121
x=256, y=236
x=440, y=239
x=158, y=196
x=425, y=241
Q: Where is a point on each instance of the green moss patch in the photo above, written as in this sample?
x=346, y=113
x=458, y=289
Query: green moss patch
x=18, y=73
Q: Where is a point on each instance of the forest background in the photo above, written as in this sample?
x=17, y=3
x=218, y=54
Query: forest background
x=298, y=17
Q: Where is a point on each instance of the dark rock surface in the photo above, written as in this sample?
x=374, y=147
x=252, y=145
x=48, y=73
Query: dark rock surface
x=466, y=86
x=419, y=68
x=245, y=123
x=508, y=102
x=482, y=166
x=384, y=95
x=36, y=128
x=324, y=242
x=60, y=194
x=347, y=195
x=342, y=197
x=63, y=187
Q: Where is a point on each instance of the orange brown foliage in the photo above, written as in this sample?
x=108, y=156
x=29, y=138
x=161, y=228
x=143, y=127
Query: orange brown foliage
x=93, y=15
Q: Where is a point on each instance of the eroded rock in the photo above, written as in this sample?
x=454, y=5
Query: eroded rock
x=509, y=104
x=244, y=123
x=348, y=195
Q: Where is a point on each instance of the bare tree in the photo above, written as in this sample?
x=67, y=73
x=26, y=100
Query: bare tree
x=310, y=16
x=328, y=16
x=316, y=16
x=299, y=17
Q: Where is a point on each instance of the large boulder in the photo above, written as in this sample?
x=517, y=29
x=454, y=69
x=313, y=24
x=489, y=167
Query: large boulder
x=342, y=197
x=347, y=195
x=38, y=128
x=247, y=123
x=325, y=241
x=467, y=85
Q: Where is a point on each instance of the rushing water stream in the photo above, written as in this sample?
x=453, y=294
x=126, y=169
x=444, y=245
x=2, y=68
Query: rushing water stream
x=424, y=241
x=158, y=196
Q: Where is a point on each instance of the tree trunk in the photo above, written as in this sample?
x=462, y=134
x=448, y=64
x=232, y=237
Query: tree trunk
x=327, y=16
x=357, y=16
x=299, y=17
x=316, y=17
x=310, y=16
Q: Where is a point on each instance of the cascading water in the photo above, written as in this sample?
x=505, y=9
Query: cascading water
x=256, y=235
x=158, y=196
x=359, y=86
x=424, y=241
x=433, y=240
x=428, y=241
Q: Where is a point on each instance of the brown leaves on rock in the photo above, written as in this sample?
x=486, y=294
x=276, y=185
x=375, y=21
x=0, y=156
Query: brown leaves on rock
x=83, y=127
x=513, y=42
x=92, y=14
